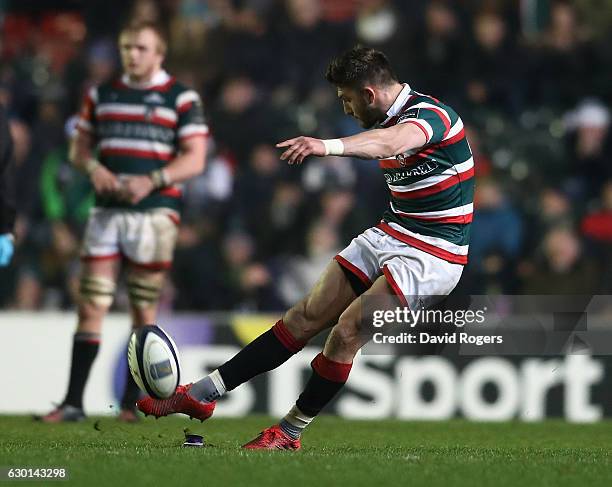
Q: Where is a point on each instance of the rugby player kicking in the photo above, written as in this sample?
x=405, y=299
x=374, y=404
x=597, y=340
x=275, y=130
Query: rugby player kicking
x=417, y=250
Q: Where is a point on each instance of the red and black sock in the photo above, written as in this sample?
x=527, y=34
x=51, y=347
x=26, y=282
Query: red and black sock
x=265, y=353
x=326, y=380
x=84, y=350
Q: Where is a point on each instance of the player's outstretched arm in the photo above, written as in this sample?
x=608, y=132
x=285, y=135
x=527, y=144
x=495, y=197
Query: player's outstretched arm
x=384, y=143
x=374, y=144
x=299, y=148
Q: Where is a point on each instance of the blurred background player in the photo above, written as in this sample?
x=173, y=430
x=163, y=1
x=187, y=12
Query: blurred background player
x=150, y=136
x=416, y=253
x=7, y=190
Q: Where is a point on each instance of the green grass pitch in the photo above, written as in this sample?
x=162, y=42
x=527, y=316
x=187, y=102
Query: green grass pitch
x=335, y=452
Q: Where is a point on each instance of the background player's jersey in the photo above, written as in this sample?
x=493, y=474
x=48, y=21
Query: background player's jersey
x=432, y=187
x=138, y=130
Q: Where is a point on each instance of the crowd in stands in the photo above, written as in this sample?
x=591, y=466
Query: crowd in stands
x=533, y=92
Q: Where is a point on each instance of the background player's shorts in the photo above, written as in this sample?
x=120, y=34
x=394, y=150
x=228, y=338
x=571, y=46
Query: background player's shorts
x=145, y=238
x=417, y=278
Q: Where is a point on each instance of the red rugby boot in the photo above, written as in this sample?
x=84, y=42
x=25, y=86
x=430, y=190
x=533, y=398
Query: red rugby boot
x=179, y=402
x=273, y=438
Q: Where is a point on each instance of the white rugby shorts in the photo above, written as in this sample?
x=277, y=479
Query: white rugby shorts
x=417, y=278
x=144, y=238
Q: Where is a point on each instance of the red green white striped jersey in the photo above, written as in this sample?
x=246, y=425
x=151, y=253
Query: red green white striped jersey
x=432, y=187
x=138, y=128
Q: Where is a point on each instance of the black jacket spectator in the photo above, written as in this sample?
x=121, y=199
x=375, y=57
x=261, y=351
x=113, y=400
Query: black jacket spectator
x=7, y=186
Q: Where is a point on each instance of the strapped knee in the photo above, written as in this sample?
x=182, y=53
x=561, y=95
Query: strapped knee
x=97, y=290
x=143, y=291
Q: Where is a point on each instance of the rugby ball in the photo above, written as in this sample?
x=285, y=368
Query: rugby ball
x=154, y=362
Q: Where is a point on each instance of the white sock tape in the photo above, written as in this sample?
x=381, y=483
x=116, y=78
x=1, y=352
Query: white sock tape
x=217, y=380
x=333, y=147
x=297, y=418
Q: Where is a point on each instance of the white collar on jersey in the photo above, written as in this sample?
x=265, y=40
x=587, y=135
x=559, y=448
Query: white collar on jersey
x=158, y=78
x=399, y=102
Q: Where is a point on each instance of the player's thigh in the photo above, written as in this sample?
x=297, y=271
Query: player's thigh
x=351, y=273
x=349, y=334
x=108, y=268
x=322, y=307
x=419, y=279
x=101, y=238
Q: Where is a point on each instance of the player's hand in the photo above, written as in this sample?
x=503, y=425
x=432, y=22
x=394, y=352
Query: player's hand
x=135, y=188
x=300, y=148
x=104, y=181
x=6, y=249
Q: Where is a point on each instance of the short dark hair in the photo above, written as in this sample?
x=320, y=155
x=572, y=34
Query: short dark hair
x=360, y=66
x=135, y=26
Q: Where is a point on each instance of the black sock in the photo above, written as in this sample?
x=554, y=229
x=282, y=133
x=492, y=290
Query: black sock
x=131, y=392
x=84, y=350
x=265, y=353
x=327, y=378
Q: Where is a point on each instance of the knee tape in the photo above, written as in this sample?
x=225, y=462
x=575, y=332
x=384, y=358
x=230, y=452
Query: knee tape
x=143, y=291
x=97, y=290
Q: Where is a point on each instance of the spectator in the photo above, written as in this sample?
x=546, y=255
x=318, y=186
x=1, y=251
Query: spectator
x=553, y=208
x=300, y=273
x=563, y=267
x=7, y=190
x=240, y=103
x=495, y=69
x=380, y=25
x=440, y=52
x=306, y=43
x=245, y=27
x=340, y=210
x=198, y=273
x=497, y=224
x=248, y=283
x=265, y=193
x=210, y=191
x=496, y=240
x=589, y=154
x=28, y=238
x=597, y=228
x=565, y=56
